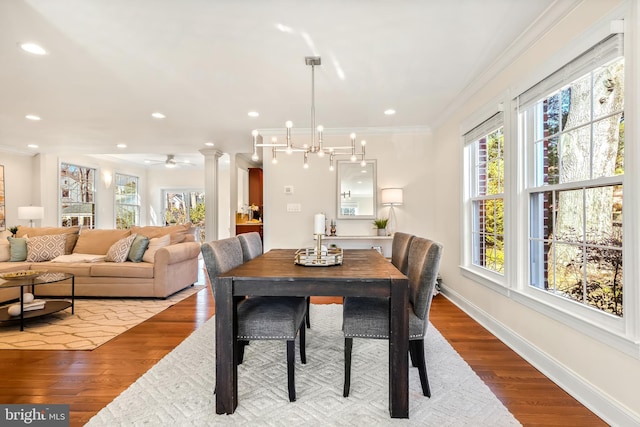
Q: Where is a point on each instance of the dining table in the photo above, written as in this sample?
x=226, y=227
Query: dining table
x=362, y=273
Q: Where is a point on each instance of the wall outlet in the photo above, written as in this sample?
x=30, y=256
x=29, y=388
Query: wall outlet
x=288, y=189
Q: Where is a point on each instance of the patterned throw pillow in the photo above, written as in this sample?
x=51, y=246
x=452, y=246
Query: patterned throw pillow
x=45, y=248
x=119, y=251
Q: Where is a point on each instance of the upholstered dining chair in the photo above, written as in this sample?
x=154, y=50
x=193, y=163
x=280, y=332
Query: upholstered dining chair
x=400, y=250
x=259, y=318
x=365, y=317
x=252, y=247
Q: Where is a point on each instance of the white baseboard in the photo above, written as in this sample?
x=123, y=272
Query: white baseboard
x=600, y=403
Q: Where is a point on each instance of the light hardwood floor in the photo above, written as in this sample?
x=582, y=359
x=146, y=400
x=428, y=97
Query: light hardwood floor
x=89, y=380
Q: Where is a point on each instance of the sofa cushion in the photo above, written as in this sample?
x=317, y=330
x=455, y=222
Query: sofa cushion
x=155, y=244
x=45, y=248
x=177, y=232
x=98, y=242
x=138, y=247
x=119, y=251
x=71, y=234
x=18, y=248
x=139, y=270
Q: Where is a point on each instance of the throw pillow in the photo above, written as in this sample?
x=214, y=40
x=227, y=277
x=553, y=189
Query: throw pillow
x=45, y=248
x=119, y=251
x=155, y=244
x=70, y=232
x=139, y=245
x=178, y=232
x=5, y=247
x=18, y=248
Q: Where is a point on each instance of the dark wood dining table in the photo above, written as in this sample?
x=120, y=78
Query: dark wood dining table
x=362, y=273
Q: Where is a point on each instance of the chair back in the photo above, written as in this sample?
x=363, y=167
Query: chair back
x=400, y=251
x=251, y=245
x=424, y=263
x=221, y=256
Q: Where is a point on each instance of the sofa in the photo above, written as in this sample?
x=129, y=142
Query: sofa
x=146, y=261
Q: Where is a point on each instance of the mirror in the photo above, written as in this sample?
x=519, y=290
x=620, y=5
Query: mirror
x=357, y=190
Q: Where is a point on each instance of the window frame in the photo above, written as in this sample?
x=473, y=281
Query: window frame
x=621, y=333
x=136, y=207
x=62, y=189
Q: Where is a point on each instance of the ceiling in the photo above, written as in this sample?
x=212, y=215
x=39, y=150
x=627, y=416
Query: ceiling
x=205, y=64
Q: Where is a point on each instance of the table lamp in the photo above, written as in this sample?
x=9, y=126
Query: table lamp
x=31, y=213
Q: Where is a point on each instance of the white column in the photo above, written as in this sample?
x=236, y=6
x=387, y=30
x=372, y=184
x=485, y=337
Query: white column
x=211, y=192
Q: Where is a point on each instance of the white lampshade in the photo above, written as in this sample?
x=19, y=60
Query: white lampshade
x=391, y=196
x=30, y=212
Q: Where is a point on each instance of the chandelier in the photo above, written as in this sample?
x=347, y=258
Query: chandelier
x=315, y=145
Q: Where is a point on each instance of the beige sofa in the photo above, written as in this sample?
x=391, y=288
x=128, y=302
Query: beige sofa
x=169, y=264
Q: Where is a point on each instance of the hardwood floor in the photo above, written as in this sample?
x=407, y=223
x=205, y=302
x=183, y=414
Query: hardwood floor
x=89, y=380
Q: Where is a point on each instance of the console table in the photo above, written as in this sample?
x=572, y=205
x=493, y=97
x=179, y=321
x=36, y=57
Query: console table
x=361, y=242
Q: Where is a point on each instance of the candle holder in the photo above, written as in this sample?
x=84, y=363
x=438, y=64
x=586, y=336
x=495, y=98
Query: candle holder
x=319, y=247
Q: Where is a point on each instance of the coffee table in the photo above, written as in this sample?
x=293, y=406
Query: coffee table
x=51, y=306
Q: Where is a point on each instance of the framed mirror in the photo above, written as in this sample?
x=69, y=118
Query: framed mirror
x=356, y=190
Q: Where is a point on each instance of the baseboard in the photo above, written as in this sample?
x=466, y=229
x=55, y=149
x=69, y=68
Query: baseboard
x=600, y=403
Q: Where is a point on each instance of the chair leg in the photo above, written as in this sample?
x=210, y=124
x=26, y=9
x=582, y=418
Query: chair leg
x=240, y=351
x=412, y=353
x=308, y=318
x=348, y=344
x=303, y=345
x=418, y=349
x=291, y=359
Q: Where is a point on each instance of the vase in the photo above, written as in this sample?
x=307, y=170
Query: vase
x=382, y=231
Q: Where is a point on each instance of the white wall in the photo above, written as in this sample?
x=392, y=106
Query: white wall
x=18, y=179
x=603, y=378
x=401, y=160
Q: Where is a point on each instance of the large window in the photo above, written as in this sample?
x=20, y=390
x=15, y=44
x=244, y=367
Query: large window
x=77, y=196
x=127, y=201
x=572, y=128
x=485, y=154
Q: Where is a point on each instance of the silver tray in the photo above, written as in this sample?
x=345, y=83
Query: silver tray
x=309, y=257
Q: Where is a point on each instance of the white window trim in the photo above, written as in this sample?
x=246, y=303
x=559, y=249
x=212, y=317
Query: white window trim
x=622, y=333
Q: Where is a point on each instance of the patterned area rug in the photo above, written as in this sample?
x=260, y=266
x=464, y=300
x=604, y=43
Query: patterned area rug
x=179, y=389
x=95, y=322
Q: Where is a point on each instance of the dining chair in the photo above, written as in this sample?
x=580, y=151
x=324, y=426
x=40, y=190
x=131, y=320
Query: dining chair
x=400, y=250
x=252, y=247
x=368, y=317
x=259, y=318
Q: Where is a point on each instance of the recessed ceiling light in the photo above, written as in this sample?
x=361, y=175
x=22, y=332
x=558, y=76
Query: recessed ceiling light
x=390, y=112
x=209, y=144
x=121, y=145
x=253, y=114
x=33, y=48
x=158, y=115
x=32, y=145
x=284, y=28
x=147, y=161
x=32, y=117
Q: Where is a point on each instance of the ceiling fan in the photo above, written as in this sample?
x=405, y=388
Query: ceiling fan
x=170, y=162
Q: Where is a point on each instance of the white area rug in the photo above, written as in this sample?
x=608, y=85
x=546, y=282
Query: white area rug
x=178, y=391
x=95, y=322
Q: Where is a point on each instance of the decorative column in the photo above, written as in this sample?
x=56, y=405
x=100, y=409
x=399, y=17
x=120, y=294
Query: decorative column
x=211, y=192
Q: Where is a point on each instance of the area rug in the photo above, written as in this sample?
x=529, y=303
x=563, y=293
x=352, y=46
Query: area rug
x=178, y=390
x=95, y=322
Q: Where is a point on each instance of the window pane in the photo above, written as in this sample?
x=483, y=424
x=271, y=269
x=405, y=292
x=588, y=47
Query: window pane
x=607, y=134
x=608, y=85
x=77, y=195
x=575, y=155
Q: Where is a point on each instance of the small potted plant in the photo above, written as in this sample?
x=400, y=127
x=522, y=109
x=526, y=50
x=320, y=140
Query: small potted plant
x=381, y=225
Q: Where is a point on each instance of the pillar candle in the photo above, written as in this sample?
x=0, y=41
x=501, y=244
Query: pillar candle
x=318, y=224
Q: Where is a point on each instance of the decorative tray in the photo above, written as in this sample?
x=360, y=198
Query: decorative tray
x=23, y=274
x=309, y=257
